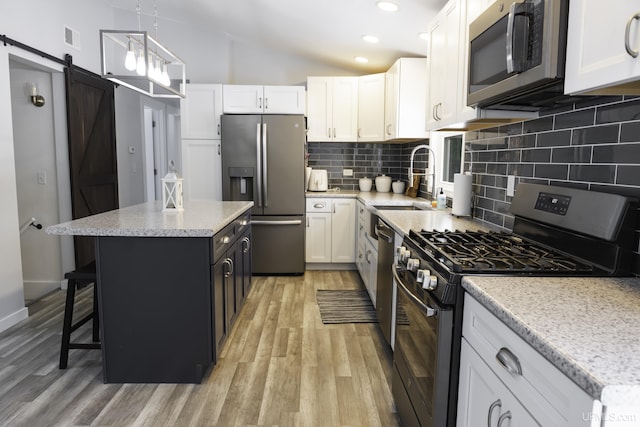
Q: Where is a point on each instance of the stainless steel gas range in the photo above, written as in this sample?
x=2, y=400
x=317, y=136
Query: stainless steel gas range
x=557, y=231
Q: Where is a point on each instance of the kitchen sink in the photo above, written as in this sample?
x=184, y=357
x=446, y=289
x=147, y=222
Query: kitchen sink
x=417, y=207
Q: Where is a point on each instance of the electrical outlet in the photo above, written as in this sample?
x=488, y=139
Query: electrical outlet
x=347, y=172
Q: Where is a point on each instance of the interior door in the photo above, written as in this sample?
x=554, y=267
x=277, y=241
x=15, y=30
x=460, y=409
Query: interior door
x=92, y=151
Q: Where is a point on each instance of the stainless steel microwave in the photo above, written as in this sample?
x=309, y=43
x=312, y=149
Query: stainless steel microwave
x=517, y=55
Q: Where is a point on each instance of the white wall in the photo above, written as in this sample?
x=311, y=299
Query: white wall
x=34, y=148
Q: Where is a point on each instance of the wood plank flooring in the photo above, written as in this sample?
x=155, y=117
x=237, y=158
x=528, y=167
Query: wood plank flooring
x=280, y=367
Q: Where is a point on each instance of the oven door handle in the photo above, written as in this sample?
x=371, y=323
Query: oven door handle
x=429, y=311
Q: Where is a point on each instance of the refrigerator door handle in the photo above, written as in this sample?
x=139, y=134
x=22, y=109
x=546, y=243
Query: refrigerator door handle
x=283, y=222
x=265, y=184
x=259, y=164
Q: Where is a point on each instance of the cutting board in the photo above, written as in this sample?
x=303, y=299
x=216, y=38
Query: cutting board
x=412, y=191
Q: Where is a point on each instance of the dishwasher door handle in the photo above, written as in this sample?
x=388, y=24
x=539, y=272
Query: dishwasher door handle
x=284, y=222
x=385, y=232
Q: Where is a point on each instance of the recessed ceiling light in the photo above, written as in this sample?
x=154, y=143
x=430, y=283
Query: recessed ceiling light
x=370, y=39
x=387, y=6
x=424, y=36
x=361, y=59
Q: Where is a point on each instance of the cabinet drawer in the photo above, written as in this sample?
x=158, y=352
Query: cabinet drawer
x=318, y=205
x=550, y=396
x=223, y=240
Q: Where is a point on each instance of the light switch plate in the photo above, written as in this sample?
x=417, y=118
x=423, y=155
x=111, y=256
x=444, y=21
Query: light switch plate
x=347, y=172
x=511, y=185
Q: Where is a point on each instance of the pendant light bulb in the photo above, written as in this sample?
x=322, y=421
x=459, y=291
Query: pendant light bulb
x=158, y=70
x=130, y=62
x=141, y=68
x=165, y=75
x=151, y=71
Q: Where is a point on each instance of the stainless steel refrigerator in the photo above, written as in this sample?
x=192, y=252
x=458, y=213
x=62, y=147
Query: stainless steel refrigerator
x=263, y=161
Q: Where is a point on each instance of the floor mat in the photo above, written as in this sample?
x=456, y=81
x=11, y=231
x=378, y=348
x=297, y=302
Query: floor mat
x=345, y=306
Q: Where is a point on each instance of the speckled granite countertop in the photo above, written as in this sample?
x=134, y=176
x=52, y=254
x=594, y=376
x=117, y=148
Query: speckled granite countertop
x=589, y=328
x=199, y=219
x=404, y=220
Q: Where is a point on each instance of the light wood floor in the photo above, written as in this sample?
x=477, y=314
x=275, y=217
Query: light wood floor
x=280, y=367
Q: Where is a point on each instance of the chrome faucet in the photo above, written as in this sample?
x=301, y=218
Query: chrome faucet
x=433, y=173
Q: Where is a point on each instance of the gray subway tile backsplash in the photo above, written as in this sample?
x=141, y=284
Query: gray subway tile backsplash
x=562, y=147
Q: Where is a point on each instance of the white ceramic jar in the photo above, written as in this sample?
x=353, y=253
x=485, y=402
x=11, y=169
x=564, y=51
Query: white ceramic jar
x=398, y=187
x=383, y=184
x=365, y=184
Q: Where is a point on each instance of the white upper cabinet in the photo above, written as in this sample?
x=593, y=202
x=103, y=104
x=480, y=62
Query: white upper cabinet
x=252, y=99
x=332, y=109
x=200, y=111
x=443, y=64
x=371, y=107
x=603, y=47
x=405, y=101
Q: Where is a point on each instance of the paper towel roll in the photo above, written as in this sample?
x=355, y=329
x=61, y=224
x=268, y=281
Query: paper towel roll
x=462, y=187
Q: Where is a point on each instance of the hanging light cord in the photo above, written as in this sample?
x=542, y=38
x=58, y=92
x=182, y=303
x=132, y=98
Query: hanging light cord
x=138, y=12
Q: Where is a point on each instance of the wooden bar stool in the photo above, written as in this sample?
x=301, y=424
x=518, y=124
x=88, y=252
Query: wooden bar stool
x=78, y=279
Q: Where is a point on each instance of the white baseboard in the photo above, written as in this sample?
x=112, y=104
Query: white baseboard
x=13, y=318
x=329, y=266
x=34, y=290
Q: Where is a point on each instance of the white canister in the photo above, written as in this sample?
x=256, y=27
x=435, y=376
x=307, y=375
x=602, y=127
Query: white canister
x=383, y=184
x=365, y=184
x=398, y=187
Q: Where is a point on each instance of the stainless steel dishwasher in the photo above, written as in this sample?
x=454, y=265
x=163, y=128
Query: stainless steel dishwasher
x=384, y=282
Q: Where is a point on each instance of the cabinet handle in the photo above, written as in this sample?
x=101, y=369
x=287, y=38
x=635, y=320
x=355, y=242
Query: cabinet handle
x=359, y=129
x=505, y=416
x=219, y=148
x=627, y=42
x=246, y=243
x=509, y=361
x=433, y=112
x=329, y=132
x=494, y=405
x=260, y=102
x=334, y=132
x=438, y=108
x=218, y=128
x=266, y=105
x=367, y=257
x=319, y=205
x=225, y=239
x=229, y=263
x=389, y=129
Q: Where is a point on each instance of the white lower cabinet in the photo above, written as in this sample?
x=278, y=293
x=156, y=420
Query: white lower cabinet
x=506, y=382
x=331, y=230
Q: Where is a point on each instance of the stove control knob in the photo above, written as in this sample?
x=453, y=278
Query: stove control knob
x=423, y=277
x=430, y=284
x=413, y=264
x=403, y=253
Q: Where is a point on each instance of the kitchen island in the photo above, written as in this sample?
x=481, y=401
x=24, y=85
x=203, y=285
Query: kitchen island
x=169, y=286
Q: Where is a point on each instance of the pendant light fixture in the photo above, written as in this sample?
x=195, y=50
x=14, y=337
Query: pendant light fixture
x=138, y=61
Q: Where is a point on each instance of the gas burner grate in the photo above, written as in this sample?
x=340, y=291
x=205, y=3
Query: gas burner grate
x=495, y=252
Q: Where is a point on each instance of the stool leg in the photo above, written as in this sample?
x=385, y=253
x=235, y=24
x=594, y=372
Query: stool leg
x=96, y=318
x=66, y=324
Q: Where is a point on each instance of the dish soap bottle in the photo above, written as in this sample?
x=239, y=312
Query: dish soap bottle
x=441, y=200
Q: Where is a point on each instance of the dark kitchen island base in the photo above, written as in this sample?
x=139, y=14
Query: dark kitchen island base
x=155, y=303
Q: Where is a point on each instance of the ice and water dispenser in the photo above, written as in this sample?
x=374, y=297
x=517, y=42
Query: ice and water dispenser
x=241, y=183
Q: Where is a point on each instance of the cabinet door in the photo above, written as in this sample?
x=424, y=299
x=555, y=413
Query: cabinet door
x=412, y=91
x=596, y=59
x=219, y=315
x=482, y=396
x=231, y=277
x=319, y=99
x=345, y=109
x=392, y=93
x=444, y=41
x=318, y=237
x=243, y=268
x=371, y=93
x=371, y=264
x=343, y=230
x=201, y=169
x=284, y=100
x=200, y=111
x=242, y=99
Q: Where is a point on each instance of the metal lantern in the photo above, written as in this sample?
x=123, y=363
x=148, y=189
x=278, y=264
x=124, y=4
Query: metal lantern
x=172, y=193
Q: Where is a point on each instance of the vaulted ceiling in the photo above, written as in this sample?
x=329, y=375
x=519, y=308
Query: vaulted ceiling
x=326, y=30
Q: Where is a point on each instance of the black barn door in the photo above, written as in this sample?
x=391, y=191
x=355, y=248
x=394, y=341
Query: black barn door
x=92, y=151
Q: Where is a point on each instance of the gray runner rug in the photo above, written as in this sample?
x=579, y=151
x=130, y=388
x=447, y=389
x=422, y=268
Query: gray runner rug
x=345, y=306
